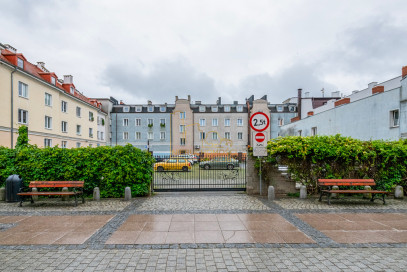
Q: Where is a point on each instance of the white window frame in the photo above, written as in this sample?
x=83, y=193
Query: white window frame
x=150, y=108
x=182, y=141
x=202, y=108
x=126, y=109
x=20, y=63
x=240, y=135
x=91, y=118
x=150, y=121
x=182, y=128
x=125, y=135
x=163, y=109
x=150, y=135
x=22, y=89
x=162, y=135
x=98, y=134
x=78, y=144
x=78, y=130
x=139, y=108
x=226, y=108
x=53, y=80
x=279, y=108
x=214, y=135
x=48, y=99
x=126, y=122
x=22, y=116
x=47, y=142
x=314, y=131
x=227, y=122
x=239, y=122
x=202, y=135
x=239, y=108
x=138, y=135
x=90, y=132
x=300, y=132
x=64, y=144
x=291, y=108
x=64, y=106
x=202, y=122
x=227, y=135
x=182, y=115
x=78, y=112
x=280, y=122
x=48, y=122
x=72, y=90
x=64, y=126
x=138, y=122
x=215, y=108
x=161, y=121
x=102, y=137
x=393, y=123
x=215, y=122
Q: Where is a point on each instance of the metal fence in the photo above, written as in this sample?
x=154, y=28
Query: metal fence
x=200, y=173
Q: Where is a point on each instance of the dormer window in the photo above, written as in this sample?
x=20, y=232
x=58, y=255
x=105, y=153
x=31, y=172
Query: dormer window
x=53, y=81
x=279, y=108
x=227, y=108
x=163, y=108
x=72, y=90
x=239, y=108
x=20, y=63
x=150, y=108
x=292, y=108
x=214, y=108
x=126, y=109
x=201, y=108
x=138, y=108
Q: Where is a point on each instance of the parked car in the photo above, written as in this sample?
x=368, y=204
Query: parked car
x=173, y=164
x=185, y=156
x=219, y=163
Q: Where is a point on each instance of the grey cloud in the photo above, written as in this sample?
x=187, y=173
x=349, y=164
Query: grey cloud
x=163, y=81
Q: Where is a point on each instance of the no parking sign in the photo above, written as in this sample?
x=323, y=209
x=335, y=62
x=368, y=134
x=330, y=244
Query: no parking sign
x=259, y=122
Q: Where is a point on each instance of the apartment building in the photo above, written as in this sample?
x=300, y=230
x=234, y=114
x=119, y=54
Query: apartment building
x=147, y=127
x=376, y=112
x=54, y=111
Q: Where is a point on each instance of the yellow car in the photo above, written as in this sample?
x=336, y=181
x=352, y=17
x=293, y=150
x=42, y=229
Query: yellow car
x=173, y=164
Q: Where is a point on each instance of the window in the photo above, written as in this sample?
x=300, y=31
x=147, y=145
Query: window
x=182, y=115
x=150, y=135
x=20, y=63
x=182, y=141
x=126, y=109
x=22, y=116
x=125, y=122
x=90, y=145
x=227, y=108
x=64, y=106
x=64, y=126
x=138, y=122
x=182, y=128
x=53, y=81
x=91, y=116
x=150, y=122
x=279, y=108
x=280, y=122
x=202, y=108
x=240, y=122
x=138, y=135
x=215, y=122
x=292, y=108
x=73, y=92
x=78, y=129
x=214, y=108
x=78, y=111
x=240, y=135
x=48, y=122
x=239, y=108
x=214, y=135
x=47, y=142
x=78, y=144
x=299, y=132
x=64, y=144
x=162, y=135
x=227, y=135
x=202, y=136
x=227, y=122
x=138, y=108
x=394, y=118
x=22, y=89
x=150, y=108
x=162, y=122
x=163, y=108
x=125, y=135
x=102, y=137
x=98, y=135
x=202, y=122
x=313, y=131
x=90, y=132
x=48, y=99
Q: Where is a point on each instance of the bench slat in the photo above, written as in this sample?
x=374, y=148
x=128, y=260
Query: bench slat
x=56, y=184
x=49, y=193
x=355, y=191
x=346, y=182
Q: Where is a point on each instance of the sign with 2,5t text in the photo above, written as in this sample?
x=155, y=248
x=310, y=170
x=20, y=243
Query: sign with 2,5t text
x=259, y=122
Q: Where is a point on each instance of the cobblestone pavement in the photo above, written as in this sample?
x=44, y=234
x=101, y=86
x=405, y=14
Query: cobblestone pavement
x=225, y=259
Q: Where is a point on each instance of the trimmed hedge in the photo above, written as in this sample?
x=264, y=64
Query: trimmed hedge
x=109, y=168
x=311, y=158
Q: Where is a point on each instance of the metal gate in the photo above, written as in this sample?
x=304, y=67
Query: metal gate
x=203, y=173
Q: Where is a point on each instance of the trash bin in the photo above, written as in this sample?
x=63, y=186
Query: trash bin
x=13, y=185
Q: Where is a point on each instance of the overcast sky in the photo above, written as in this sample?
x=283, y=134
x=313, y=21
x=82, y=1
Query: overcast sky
x=154, y=50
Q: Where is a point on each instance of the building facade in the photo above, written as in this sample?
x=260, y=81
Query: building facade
x=54, y=111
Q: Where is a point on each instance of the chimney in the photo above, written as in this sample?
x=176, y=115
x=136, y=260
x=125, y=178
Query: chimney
x=403, y=71
x=299, y=102
x=377, y=89
x=219, y=101
x=68, y=79
x=371, y=85
x=10, y=48
x=310, y=113
x=149, y=102
x=197, y=102
x=189, y=98
x=121, y=102
x=176, y=97
x=342, y=101
x=235, y=102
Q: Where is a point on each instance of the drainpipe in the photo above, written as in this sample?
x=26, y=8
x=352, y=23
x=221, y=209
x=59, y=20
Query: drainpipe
x=12, y=108
x=116, y=129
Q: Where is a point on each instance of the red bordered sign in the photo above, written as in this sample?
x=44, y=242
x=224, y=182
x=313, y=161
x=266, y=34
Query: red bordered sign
x=259, y=121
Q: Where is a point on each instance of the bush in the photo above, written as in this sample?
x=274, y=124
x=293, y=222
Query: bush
x=311, y=158
x=109, y=168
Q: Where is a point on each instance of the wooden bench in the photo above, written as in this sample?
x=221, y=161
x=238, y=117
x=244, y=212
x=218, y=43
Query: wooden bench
x=54, y=184
x=349, y=182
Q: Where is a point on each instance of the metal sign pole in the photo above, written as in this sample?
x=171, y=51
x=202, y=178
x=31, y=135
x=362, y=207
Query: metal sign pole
x=260, y=176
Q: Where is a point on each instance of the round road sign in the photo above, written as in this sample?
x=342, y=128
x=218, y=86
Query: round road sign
x=259, y=121
x=259, y=137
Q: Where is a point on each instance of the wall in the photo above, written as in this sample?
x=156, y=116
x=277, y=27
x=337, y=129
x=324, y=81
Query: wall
x=182, y=105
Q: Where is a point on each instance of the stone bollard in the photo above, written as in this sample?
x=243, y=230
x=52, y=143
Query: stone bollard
x=96, y=194
x=303, y=192
x=398, y=192
x=65, y=197
x=127, y=194
x=35, y=197
x=2, y=194
x=271, y=193
x=367, y=195
x=335, y=195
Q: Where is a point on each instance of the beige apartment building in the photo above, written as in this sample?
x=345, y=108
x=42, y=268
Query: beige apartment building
x=182, y=128
x=54, y=111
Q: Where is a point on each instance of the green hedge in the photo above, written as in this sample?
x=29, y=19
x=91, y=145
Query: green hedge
x=109, y=168
x=311, y=158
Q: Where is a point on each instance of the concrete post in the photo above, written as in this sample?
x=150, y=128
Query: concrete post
x=335, y=195
x=271, y=193
x=96, y=194
x=398, y=192
x=303, y=192
x=2, y=194
x=35, y=197
x=65, y=198
x=127, y=194
x=367, y=195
